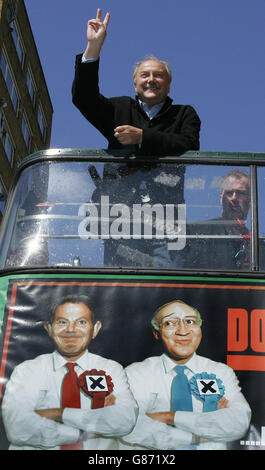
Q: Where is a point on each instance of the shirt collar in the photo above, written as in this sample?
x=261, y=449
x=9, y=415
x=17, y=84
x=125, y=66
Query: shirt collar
x=151, y=113
x=169, y=364
x=60, y=361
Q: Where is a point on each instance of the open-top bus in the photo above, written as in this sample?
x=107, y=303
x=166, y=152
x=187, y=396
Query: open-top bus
x=133, y=234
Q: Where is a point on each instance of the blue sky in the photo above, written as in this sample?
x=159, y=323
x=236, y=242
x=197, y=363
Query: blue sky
x=215, y=48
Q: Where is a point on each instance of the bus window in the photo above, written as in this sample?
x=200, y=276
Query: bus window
x=93, y=214
x=162, y=215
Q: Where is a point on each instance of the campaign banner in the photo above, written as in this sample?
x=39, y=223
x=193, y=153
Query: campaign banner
x=132, y=330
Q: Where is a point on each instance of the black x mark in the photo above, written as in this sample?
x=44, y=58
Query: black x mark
x=96, y=383
x=208, y=386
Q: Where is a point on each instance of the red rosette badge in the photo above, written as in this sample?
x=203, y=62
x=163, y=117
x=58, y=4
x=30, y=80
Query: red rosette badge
x=97, y=384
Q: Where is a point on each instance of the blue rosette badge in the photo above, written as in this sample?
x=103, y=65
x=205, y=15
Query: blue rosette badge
x=208, y=388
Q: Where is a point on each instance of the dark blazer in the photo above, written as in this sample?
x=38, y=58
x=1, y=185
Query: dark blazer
x=175, y=129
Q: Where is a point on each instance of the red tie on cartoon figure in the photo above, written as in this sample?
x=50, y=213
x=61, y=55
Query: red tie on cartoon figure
x=94, y=383
x=71, y=398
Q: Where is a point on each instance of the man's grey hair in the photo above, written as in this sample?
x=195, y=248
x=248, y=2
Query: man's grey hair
x=236, y=174
x=152, y=57
x=154, y=322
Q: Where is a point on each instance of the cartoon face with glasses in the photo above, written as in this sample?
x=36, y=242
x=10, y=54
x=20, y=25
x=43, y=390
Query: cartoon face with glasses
x=179, y=327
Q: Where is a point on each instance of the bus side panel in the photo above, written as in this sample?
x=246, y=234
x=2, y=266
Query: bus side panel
x=233, y=325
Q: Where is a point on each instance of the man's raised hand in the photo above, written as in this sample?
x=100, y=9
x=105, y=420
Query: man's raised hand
x=96, y=33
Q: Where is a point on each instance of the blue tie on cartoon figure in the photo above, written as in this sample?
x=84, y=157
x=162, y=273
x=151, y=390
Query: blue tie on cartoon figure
x=208, y=388
x=181, y=393
x=181, y=399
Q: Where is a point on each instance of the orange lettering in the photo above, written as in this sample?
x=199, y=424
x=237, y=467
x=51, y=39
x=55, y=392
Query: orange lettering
x=257, y=341
x=237, y=329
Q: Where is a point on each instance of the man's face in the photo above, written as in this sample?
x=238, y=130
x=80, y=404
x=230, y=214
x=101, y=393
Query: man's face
x=72, y=329
x=235, y=198
x=180, y=331
x=152, y=82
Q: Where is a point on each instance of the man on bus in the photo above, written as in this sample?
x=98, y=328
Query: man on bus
x=224, y=242
x=148, y=125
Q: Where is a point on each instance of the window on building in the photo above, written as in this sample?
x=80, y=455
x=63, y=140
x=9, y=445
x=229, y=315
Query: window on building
x=31, y=87
x=18, y=43
x=6, y=140
x=11, y=11
x=2, y=199
x=10, y=83
x=42, y=123
x=26, y=132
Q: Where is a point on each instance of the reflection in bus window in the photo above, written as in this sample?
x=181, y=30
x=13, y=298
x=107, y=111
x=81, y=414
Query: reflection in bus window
x=106, y=214
x=223, y=242
x=164, y=215
x=139, y=196
x=46, y=227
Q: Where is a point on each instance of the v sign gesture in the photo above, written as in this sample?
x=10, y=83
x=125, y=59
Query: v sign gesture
x=96, y=33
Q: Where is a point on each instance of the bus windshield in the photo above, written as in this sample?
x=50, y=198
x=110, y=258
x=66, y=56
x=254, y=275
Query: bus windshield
x=125, y=215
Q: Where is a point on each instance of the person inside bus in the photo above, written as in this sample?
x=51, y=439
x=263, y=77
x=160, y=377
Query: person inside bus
x=185, y=401
x=149, y=125
x=224, y=242
x=46, y=406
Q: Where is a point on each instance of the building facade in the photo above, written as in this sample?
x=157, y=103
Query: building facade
x=25, y=106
